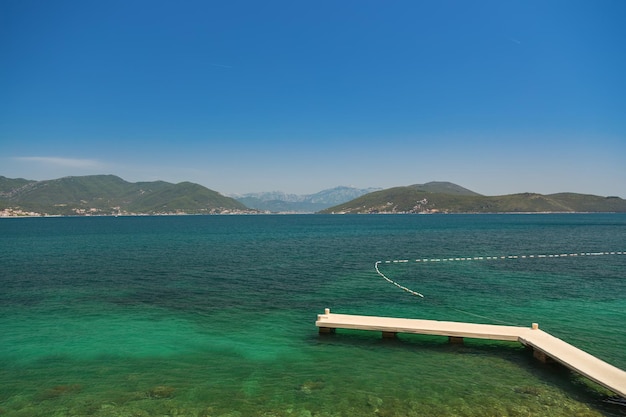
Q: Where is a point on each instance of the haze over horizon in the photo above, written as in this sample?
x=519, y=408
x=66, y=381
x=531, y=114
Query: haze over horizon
x=243, y=96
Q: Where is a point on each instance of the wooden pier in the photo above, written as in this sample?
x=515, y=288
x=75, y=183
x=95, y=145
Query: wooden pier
x=544, y=345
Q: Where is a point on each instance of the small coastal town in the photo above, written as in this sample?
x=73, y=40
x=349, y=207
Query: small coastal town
x=17, y=212
x=11, y=212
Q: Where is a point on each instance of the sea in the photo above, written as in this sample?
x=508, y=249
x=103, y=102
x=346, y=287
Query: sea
x=215, y=315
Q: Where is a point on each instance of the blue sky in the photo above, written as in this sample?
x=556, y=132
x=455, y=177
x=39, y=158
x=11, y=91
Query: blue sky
x=244, y=96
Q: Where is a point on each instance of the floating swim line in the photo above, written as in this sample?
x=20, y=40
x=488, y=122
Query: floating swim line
x=504, y=257
x=410, y=291
x=483, y=258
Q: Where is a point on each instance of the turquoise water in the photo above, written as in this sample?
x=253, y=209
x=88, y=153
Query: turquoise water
x=214, y=315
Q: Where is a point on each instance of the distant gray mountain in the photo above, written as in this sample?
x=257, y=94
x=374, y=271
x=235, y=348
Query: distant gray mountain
x=280, y=202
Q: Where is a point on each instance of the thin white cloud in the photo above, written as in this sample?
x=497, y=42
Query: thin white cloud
x=62, y=162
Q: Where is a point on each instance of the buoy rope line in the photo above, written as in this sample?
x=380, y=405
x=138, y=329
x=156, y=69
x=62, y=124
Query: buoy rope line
x=482, y=258
x=402, y=287
x=493, y=258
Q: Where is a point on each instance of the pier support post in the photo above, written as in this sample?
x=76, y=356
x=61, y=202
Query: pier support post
x=327, y=330
x=455, y=340
x=390, y=335
x=542, y=357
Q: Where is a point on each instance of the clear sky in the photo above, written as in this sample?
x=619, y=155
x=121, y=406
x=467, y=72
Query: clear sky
x=299, y=96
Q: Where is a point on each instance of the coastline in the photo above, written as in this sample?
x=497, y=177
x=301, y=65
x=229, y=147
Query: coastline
x=258, y=213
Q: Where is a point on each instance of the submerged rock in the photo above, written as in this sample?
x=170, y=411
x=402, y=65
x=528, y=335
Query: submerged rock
x=58, y=391
x=161, y=391
x=309, y=386
x=374, y=401
x=529, y=390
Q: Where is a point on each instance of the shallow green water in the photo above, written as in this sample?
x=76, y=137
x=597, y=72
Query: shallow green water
x=214, y=315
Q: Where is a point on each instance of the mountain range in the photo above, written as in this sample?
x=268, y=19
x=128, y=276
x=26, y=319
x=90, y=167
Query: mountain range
x=111, y=195
x=279, y=202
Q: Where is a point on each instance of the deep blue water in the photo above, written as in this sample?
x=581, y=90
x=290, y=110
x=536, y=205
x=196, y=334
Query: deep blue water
x=214, y=315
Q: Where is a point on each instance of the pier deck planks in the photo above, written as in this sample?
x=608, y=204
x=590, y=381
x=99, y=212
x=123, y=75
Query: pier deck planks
x=604, y=374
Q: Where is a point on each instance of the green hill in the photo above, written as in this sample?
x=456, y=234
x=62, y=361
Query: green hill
x=10, y=186
x=450, y=198
x=108, y=194
x=443, y=187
